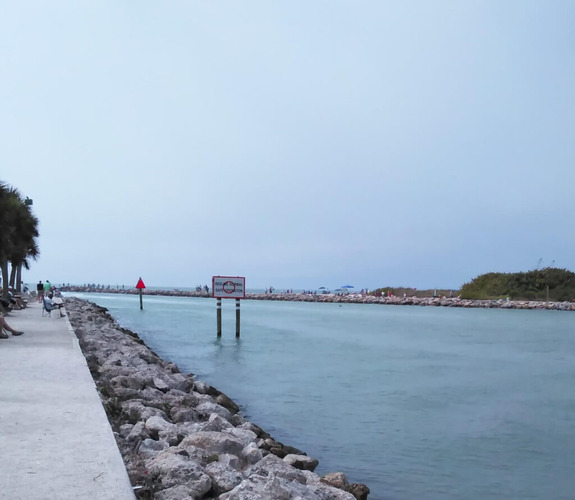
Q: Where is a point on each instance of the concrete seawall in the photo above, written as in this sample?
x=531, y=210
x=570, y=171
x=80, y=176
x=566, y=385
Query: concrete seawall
x=56, y=441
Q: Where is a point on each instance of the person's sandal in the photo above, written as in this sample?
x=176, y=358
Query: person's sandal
x=3, y=335
x=15, y=334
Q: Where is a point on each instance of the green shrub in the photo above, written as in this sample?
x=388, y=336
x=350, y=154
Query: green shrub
x=540, y=284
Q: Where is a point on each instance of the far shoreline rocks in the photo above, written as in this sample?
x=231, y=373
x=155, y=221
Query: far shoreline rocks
x=182, y=438
x=350, y=298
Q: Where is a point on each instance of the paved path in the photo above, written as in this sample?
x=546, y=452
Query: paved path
x=55, y=440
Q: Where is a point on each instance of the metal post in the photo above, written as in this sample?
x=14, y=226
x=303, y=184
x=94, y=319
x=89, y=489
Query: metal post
x=237, y=318
x=141, y=300
x=219, y=317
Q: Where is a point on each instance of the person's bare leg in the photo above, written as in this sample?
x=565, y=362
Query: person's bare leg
x=6, y=326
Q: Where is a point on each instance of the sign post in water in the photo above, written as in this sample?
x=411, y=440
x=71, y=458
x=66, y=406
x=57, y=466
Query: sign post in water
x=228, y=287
x=140, y=286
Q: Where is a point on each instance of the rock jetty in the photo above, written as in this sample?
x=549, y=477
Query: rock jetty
x=351, y=298
x=182, y=438
x=357, y=298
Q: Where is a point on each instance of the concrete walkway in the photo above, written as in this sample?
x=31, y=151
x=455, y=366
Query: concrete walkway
x=55, y=439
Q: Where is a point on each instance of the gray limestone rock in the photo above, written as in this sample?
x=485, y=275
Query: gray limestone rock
x=251, y=454
x=181, y=414
x=125, y=430
x=302, y=462
x=227, y=403
x=179, y=492
x=151, y=447
x=136, y=411
x=160, y=429
x=138, y=432
x=230, y=461
x=201, y=387
x=359, y=491
x=224, y=478
x=218, y=424
x=171, y=469
x=267, y=487
x=245, y=435
x=160, y=384
x=207, y=409
x=325, y=492
x=214, y=442
x=271, y=464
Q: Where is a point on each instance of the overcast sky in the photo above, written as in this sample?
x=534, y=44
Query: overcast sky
x=297, y=143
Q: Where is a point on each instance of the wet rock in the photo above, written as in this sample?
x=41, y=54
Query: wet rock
x=359, y=491
x=301, y=462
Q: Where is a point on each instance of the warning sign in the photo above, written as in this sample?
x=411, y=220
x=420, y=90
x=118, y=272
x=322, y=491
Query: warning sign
x=228, y=287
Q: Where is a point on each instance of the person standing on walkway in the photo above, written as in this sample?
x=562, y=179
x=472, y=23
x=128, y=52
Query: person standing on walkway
x=40, y=290
x=47, y=287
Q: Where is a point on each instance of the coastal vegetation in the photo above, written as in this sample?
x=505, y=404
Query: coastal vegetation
x=18, y=236
x=549, y=283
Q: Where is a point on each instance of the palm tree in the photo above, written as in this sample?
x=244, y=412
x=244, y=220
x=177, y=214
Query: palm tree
x=24, y=245
x=5, y=233
x=18, y=233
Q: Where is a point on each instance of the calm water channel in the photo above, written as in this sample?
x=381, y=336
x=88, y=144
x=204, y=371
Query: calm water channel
x=416, y=402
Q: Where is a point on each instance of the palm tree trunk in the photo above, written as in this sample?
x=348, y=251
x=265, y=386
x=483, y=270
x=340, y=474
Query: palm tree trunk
x=19, y=278
x=12, y=275
x=4, y=266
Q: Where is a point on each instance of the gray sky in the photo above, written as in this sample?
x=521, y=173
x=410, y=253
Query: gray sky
x=300, y=144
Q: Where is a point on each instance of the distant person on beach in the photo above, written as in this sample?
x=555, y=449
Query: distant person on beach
x=47, y=287
x=5, y=326
x=40, y=290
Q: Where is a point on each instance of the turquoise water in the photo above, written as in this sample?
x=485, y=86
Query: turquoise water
x=416, y=402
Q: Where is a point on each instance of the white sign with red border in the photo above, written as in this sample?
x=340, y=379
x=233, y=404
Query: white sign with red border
x=228, y=287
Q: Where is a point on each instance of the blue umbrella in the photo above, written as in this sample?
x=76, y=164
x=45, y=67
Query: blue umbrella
x=348, y=286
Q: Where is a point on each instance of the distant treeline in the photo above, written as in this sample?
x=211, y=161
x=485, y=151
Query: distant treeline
x=549, y=283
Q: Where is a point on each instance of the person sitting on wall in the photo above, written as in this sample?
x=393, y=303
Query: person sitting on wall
x=6, y=305
x=16, y=298
x=54, y=303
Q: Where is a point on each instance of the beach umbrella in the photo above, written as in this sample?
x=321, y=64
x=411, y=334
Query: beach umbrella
x=348, y=286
